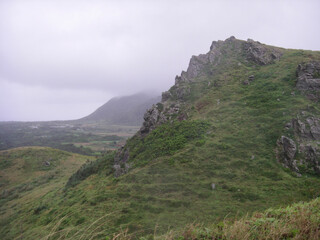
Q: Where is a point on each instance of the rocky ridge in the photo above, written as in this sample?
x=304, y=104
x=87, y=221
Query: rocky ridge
x=301, y=154
x=173, y=103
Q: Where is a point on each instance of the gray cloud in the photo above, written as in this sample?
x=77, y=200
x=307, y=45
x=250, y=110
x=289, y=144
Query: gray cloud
x=108, y=48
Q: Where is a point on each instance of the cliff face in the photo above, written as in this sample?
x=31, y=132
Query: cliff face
x=172, y=101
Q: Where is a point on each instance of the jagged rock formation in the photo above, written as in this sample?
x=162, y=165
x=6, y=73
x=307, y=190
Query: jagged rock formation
x=303, y=154
x=201, y=65
x=152, y=118
x=308, y=81
x=260, y=53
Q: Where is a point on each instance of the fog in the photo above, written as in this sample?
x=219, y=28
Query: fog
x=63, y=59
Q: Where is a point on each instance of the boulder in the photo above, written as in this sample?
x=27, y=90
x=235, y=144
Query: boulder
x=289, y=147
x=308, y=129
x=260, y=53
x=308, y=79
x=287, y=152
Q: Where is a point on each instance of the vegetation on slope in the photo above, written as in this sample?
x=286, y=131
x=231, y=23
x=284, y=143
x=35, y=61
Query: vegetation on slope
x=26, y=175
x=298, y=221
x=228, y=140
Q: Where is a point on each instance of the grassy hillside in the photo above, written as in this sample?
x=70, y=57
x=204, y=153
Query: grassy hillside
x=29, y=173
x=298, y=221
x=212, y=159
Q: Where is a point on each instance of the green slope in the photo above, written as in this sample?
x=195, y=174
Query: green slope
x=225, y=133
x=26, y=175
x=298, y=221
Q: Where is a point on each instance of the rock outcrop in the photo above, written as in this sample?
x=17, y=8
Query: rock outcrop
x=260, y=53
x=303, y=154
x=308, y=79
x=204, y=63
x=153, y=117
x=121, y=165
x=287, y=153
x=309, y=129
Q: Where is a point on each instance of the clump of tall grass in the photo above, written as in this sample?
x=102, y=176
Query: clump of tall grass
x=299, y=221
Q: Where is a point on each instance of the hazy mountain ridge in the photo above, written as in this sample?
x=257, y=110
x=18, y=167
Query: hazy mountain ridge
x=126, y=110
x=104, y=129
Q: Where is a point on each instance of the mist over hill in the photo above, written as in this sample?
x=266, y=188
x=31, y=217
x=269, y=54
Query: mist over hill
x=125, y=110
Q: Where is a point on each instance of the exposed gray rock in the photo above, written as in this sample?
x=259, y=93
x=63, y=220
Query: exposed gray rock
x=249, y=80
x=182, y=92
x=289, y=147
x=178, y=80
x=121, y=165
x=166, y=96
x=260, y=53
x=308, y=79
x=46, y=163
x=286, y=153
x=246, y=82
x=312, y=158
x=314, y=124
x=152, y=118
x=198, y=64
x=155, y=116
x=308, y=129
x=213, y=186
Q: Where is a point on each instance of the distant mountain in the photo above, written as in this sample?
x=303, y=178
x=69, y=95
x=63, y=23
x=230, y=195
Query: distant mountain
x=126, y=110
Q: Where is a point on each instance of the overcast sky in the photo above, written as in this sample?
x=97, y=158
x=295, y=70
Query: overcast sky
x=62, y=59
